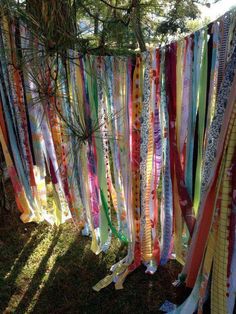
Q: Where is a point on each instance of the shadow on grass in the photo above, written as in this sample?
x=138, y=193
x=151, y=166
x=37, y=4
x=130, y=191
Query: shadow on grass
x=34, y=285
x=16, y=246
x=7, y=284
x=69, y=287
x=13, y=240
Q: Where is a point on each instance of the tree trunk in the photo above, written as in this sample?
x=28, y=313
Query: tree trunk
x=96, y=24
x=137, y=25
x=55, y=20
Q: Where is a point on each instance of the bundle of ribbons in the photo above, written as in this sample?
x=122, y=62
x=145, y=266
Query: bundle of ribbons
x=140, y=148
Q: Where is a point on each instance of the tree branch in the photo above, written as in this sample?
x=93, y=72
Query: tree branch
x=94, y=16
x=116, y=7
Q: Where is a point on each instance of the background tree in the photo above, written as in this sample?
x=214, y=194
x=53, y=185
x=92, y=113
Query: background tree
x=105, y=26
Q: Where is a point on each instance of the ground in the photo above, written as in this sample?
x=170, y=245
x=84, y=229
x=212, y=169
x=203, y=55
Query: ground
x=47, y=269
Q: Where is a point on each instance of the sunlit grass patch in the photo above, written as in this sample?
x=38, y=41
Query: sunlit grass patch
x=48, y=269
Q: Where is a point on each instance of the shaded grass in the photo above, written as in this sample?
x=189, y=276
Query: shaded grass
x=46, y=269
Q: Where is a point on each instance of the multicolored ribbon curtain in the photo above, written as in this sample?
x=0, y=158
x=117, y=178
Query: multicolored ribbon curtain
x=140, y=148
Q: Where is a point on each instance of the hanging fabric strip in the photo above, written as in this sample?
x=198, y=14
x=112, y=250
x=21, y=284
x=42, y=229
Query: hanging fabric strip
x=213, y=149
x=224, y=33
x=157, y=158
x=102, y=118
x=219, y=292
x=135, y=158
x=213, y=77
x=193, y=114
x=175, y=163
x=179, y=88
x=231, y=271
x=145, y=235
x=167, y=199
x=187, y=78
x=201, y=120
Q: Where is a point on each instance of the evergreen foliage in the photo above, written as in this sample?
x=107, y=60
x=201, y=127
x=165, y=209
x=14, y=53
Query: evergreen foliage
x=104, y=26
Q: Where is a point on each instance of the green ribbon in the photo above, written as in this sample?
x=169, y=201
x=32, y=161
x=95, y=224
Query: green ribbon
x=93, y=92
x=117, y=234
x=201, y=124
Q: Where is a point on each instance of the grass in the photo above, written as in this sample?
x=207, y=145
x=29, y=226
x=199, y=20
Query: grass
x=44, y=269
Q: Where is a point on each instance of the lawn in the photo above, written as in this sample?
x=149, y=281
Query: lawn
x=48, y=269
